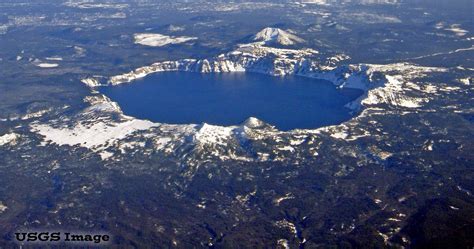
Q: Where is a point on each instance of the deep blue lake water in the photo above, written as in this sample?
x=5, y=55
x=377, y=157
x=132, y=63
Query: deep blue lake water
x=230, y=98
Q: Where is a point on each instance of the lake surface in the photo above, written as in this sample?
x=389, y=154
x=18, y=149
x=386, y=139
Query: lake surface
x=230, y=98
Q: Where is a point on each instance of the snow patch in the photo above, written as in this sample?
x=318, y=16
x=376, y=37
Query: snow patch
x=91, y=82
x=7, y=139
x=253, y=122
x=288, y=196
x=160, y=143
x=466, y=81
x=287, y=225
x=54, y=58
x=212, y=134
x=47, y=65
x=283, y=243
x=3, y=207
x=457, y=30
x=91, y=136
x=159, y=40
x=105, y=155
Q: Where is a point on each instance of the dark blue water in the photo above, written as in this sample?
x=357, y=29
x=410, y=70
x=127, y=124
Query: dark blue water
x=231, y=98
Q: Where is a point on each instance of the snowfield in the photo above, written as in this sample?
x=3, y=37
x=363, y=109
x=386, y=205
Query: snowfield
x=47, y=65
x=159, y=40
x=8, y=139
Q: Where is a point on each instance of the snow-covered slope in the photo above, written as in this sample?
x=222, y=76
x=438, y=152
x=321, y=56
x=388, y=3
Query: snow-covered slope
x=159, y=40
x=276, y=36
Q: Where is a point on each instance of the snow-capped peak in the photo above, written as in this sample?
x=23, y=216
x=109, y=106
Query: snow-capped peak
x=253, y=123
x=276, y=35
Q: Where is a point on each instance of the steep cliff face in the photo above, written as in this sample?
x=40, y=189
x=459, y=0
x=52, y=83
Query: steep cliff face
x=253, y=58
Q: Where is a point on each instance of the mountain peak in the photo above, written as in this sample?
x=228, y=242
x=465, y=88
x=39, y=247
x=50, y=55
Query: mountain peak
x=276, y=35
x=253, y=123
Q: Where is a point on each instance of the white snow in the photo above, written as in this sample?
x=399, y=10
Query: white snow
x=318, y=2
x=95, y=135
x=212, y=134
x=457, y=30
x=9, y=138
x=91, y=82
x=444, y=53
x=3, y=207
x=276, y=35
x=288, y=196
x=159, y=40
x=35, y=114
x=464, y=190
x=160, y=143
x=47, y=65
x=287, y=148
x=287, y=225
x=368, y=18
x=253, y=122
x=384, y=236
x=54, y=58
x=283, y=243
x=340, y=135
x=105, y=155
x=174, y=28
x=428, y=146
x=394, y=90
x=394, y=219
x=356, y=82
x=466, y=81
